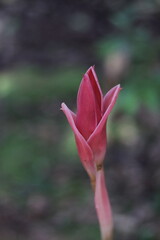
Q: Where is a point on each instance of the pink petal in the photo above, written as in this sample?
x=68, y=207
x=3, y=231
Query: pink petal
x=86, y=110
x=97, y=141
x=108, y=97
x=103, y=207
x=84, y=150
x=97, y=91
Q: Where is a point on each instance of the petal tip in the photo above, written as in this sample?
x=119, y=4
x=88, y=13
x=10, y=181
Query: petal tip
x=118, y=87
x=62, y=105
x=92, y=69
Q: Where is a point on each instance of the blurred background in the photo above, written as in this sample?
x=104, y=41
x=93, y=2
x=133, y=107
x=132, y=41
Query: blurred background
x=45, y=48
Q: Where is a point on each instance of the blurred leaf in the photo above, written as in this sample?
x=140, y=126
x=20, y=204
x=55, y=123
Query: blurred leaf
x=110, y=45
x=124, y=19
x=142, y=82
x=24, y=162
x=36, y=85
x=146, y=234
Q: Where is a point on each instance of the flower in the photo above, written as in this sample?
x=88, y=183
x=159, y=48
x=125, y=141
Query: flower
x=89, y=128
x=89, y=124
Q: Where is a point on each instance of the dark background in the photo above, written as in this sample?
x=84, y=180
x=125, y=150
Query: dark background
x=45, y=48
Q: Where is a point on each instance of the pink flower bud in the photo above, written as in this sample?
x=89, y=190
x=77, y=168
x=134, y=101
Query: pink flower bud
x=89, y=124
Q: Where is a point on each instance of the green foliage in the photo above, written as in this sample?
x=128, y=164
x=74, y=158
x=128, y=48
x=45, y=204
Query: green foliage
x=24, y=164
x=32, y=85
x=142, y=82
x=146, y=234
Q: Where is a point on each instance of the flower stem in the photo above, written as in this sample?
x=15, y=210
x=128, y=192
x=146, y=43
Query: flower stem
x=102, y=205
